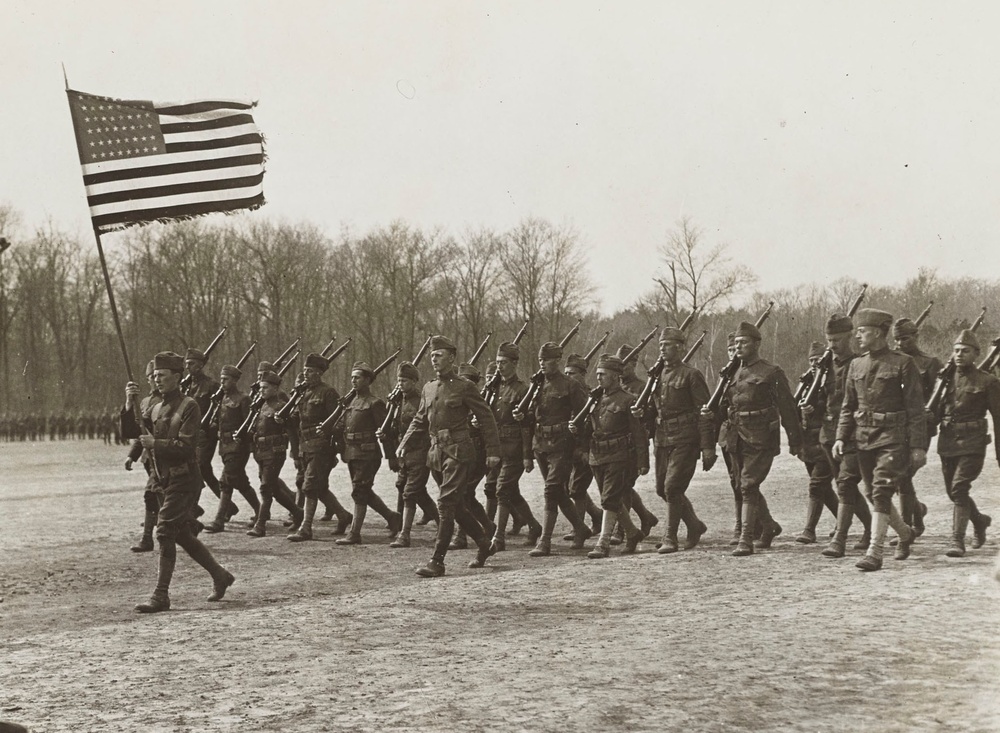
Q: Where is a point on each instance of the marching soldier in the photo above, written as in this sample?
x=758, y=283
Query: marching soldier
x=850, y=502
x=883, y=412
x=201, y=389
x=682, y=436
x=582, y=476
x=362, y=417
x=758, y=397
x=722, y=422
x=174, y=425
x=633, y=501
x=964, y=437
x=460, y=541
x=270, y=441
x=233, y=411
x=618, y=445
x=130, y=430
x=443, y=415
x=819, y=469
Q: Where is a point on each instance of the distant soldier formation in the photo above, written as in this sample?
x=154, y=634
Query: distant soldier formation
x=80, y=425
x=860, y=421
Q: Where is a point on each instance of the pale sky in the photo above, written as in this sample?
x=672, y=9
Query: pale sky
x=819, y=140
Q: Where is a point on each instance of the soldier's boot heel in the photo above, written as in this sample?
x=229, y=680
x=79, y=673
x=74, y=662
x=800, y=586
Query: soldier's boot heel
x=959, y=526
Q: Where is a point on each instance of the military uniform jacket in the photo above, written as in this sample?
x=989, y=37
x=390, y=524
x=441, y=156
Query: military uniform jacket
x=929, y=368
x=760, y=401
x=617, y=435
x=515, y=437
x=233, y=411
x=270, y=439
x=964, y=430
x=560, y=399
x=174, y=423
x=201, y=390
x=833, y=398
x=443, y=416
x=361, y=419
x=883, y=402
x=676, y=412
x=316, y=405
x=407, y=410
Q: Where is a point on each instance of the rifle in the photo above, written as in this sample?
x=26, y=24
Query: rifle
x=216, y=399
x=656, y=371
x=807, y=393
x=299, y=389
x=727, y=372
x=945, y=377
x=255, y=387
x=243, y=431
x=689, y=320
x=388, y=435
x=593, y=352
x=481, y=349
x=634, y=353
x=580, y=420
x=694, y=347
x=923, y=315
x=527, y=403
x=992, y=357
x=491, y=390
x=326, y=427
x=186, y=380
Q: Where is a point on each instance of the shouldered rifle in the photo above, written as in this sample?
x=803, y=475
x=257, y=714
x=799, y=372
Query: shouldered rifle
x=945, y=377
x=326, y=349
x=655, y=372
x=597, y=347
x=299, y=389
x=634, y=353
x=527, y=403
x=689, y=320
x=992, y=357
x=579, y=422
x=212, y=413
x=727, y=372
x=186, y=380
x=491, y=390
x=923, y=315
x=243, y=432
x=694, y=347
x=481, y=349
x=807, y=393
x=338, y=412
x=569, y=336
x=255, y=387
x=388, y=434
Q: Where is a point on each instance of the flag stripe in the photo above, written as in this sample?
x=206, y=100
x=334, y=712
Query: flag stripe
x=210, y=124
x=214, y=144
x=180, y=167
x=179, y=137
x=167, y=213
x=174, y=189
x=191, y=108
x=107, y=166
x=173, y=179
x=194, y=197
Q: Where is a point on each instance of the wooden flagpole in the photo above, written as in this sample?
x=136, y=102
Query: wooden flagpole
x=111, y=302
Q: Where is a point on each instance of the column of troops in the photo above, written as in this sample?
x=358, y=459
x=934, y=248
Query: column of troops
x=83, y=425
x=862, y=435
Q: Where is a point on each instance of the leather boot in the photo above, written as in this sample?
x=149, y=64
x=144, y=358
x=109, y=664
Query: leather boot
x=603, y=546
x=980, y=522
x=633, y=535
x=435, y=568
x=738, y=527
x=864, y=514
x=220, y=584
x=581, y=533
x=160, y=600
x=647, y=520
x=250, y=495
x=904, y=535
x=221, y=578
x=669, y=542
x=618, y=536
x=808, y=535
x=490, y=490
x=354, y=536
x=146, y=543
x=403, y=538
x=959, y=526
x=873, y=558
x=696, y=527
x=769, y=528
x=460, y=542
x=259, y=528
x=393, y=519
x=222, y=514
x=335, y=509
x=283, y=495
x=500, y=534
x=305, y=530
x=749, y=519
x=483, y=537
x=581, y=503
x=429, y=510
x=544, y=546
x=518, y=519
x=837, y=546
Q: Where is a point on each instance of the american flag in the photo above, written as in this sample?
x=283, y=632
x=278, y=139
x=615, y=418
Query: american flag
x=146, y=161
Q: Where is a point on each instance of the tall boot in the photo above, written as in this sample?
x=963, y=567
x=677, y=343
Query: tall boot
x=435, y=568
x=403, y=538
x=696, y=527
x=146, y=543
x=909, y=510
x=284, y=496
x=354, y=536
x=300, y=502
x=544, y=546
x=738, y=527
x=221, y=578
x=305, y=530
x=980, y=522
x=518, y=518
x=633, y=535
x=837, y=546
x=400, y=505
x=595, y=514
x=250, y=495
x=500, y=533
x=959, y=526
x=259, y=528
x=393, y=519
x=491, y=502
x=522, y=509
x=478, y=534
x=160, y=600
x=580, y=501
x=904, y=535
x=669, y=542
x=219, y=523
x=808, y=535
x=769, y=528
x=747, y=522
x=484, y=518
x=335, y=509
x=864, y=514
x=460, y=541
x=873, y=558
x=581, y=533
x=603, y=546
x=428, y=508
x=647, y=519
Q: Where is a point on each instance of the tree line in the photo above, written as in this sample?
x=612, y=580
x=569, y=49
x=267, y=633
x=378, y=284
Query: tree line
x=176, y=285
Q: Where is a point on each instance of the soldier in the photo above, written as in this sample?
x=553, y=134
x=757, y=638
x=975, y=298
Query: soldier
x=412, y=471
x=173, y=429
x=478, y=473
x=317, y=456
x=964, y=437
x=582, y=476
x=618, y=447
x=130, y=430
x=362, y=417
x=905, y=332
x=233, y=411
x=516, y=456
x=443, y=415
x=758, y=396
x=723, y=428
x=682, y=435
x=270, y=440
x=819, y=469
x=883, y=412
x=200, y=388
x=850, y=502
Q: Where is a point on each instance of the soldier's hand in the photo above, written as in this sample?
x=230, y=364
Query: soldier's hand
x=573, y=428
x=128, y=464
x=400, y=453
x=918, y=458
x=708, y=459
x=394, y=464
x=474, y=421
x=637, y=412
x=643, y=470
x=492, y=461
x=807, y=409
x=529, y=465
x=838, y=449
x=131, y=392
x=517, y=414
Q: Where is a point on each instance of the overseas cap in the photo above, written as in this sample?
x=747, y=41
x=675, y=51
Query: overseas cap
x=150, y=367
x=364, y=368
x=730, y=339
x=967, y=338
x=265, y=366
x=672, y=334
x=610, y=362
x=407, y=370
x=317, y=361
x=816, y=348
x=904, y=327
x=509, y=350
x=169, y=360
x=624, y=351
x=577, y=362
x=468, y=371
x=550, y=350
x=195, y=354
x=838, y=323
x=230, y=371
x=748, y=330
x=874, y=317
x=443, y=342
x=270, y=377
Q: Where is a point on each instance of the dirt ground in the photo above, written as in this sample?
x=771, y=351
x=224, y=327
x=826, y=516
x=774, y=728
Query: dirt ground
x=318, y=637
